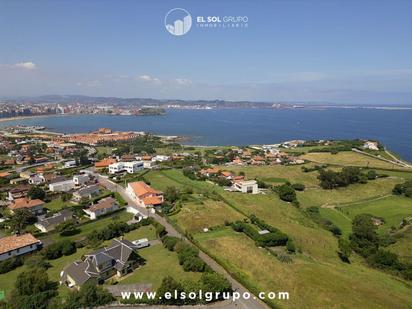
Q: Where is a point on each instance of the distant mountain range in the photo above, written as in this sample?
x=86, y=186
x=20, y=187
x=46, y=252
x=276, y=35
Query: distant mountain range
x=117, y=101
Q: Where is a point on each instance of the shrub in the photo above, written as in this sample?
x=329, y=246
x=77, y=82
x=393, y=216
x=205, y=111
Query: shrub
x=193, y=263
x=170, y=242
x=290, y=246
x=58, y=249
x=286, y=193
x=10, y=264
x=298, y=186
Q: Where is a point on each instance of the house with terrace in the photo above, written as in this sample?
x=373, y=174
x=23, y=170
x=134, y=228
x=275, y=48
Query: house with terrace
x=143, y=195
x=119, y=259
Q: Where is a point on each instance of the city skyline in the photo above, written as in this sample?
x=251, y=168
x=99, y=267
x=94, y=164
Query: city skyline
x=351, y=53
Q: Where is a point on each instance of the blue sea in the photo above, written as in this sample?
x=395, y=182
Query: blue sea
x=253, y=126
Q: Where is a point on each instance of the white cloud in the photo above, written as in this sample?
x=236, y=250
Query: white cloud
x=26, y=65
x=183, y=81
x=148, y=78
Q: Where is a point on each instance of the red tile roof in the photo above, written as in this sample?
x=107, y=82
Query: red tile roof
x=17, y=241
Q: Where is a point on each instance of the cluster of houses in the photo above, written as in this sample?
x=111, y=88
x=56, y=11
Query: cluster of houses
x=238, y=183
x=263, y=155
x=130, y=163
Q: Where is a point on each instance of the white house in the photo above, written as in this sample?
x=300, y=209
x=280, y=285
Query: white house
x=16, y=245
x=130, y=167
x=68, y=164
x=160, y=158
x=149, y=164
x=62, y=186
x=116, y=167
x=80, y=180
x=371, y=145
x=246, y=186
x=104, y=206
x=37, y=179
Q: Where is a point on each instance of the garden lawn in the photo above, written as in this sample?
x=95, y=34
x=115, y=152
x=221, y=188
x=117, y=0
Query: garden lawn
x=55, y=205
x=160, y=263
x=92, y=225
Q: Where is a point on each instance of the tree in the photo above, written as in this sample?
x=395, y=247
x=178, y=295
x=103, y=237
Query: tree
x=287, y=193
x=169, y=285
x=344, y=249
x=32, y=290
x=89, y=296
x=36, y=193
x=171, y=194
x=364, y=238
x=20, y=219
x=214, y=282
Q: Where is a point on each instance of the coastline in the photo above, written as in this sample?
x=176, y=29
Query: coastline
x=16, y=118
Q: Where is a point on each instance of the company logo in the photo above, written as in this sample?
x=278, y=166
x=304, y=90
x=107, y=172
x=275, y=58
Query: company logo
x=178, y=21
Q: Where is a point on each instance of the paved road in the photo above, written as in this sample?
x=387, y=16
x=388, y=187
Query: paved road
x=237, y=286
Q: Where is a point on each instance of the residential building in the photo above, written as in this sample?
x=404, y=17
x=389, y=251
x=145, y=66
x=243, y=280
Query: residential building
x=80, y=180
x=246, y=186
x=130, y=167
x=18, y=192
x=104, y=206
x=143, y=195
x=47, y=224
x=86, y=192
x=62, y=186
x=69, y=164
x=35, y=206
x=37, y=179
x=16, y=245
x=119, y=259
x=104, y=163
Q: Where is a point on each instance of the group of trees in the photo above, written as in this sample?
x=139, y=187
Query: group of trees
x=58, y=249
x=188, y=255
x=348, y=175
x=274, y=238
x=113, y=230
x=365, y=241
x=287, y=192
x=403, y=189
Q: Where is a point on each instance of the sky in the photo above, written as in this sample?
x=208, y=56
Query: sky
x=357, y=52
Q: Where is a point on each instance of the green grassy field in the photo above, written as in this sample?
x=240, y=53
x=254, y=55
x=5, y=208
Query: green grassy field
x=311, y=283
x=338, y=218
x=349, y=158
x=403, y=246
x=195, y=216
x=392, y=208
x=277, y=173
x=160, y=263
x=373, y=189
